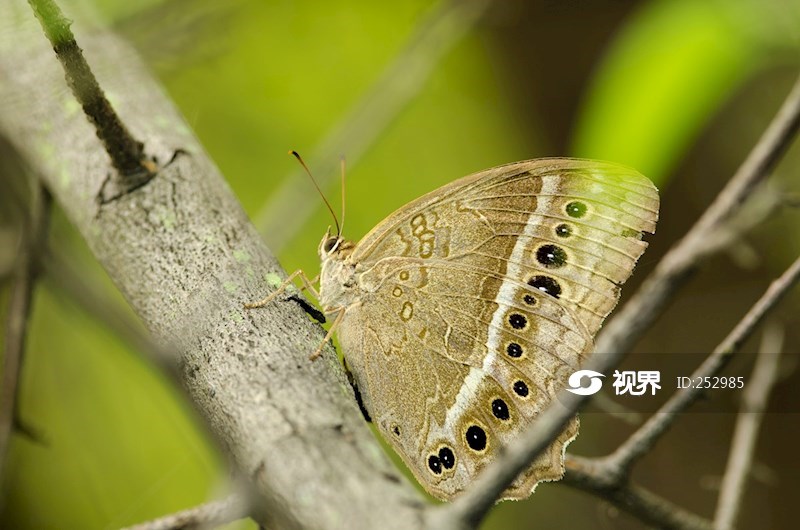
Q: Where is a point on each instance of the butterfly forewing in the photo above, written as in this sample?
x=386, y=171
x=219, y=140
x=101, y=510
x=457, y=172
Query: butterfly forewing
x=476, y=302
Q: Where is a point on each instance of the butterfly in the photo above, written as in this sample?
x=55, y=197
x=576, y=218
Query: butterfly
x=462, y=314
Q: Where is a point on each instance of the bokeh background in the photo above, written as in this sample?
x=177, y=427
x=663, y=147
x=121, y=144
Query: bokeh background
x=679, y=89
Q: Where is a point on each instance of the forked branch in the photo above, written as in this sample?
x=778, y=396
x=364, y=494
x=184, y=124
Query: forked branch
x=640, y=443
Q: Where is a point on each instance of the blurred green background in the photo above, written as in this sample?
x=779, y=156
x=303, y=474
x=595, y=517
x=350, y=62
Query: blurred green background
x=679, y=89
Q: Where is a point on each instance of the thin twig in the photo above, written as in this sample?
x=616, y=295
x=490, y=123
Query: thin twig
x=400, y=82
x=586, y=475
x=127, y=153
x=619, y=335
x=748, y=423
x=207, y=515
x=18, y=314
x=641, y=441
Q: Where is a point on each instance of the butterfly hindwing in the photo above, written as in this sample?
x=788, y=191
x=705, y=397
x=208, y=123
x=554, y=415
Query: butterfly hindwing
x=436, y=333
x=477, y=302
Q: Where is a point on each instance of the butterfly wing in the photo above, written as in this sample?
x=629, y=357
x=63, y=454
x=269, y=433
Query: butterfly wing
x=480, y=299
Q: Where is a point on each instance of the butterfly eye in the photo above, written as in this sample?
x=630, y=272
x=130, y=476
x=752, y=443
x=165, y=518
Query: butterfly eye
x=330, y=244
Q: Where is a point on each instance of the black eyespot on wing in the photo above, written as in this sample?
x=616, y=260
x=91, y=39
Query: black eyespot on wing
x=551, y=256
x=576, y=209
x=517, y=321
x=396, y=430
x=514, y=350
x=476, y=438
x=520, y=388
x=500, y=409
x=546, y=284
x=563, y=230
x=447, y=457
x=435, y=465
x=528, y=299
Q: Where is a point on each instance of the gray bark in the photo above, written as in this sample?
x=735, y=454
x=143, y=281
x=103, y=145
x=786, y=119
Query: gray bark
x=186, y=257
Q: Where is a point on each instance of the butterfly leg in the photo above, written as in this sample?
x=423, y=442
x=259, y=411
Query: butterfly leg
x=328, y=335
x=307, y=284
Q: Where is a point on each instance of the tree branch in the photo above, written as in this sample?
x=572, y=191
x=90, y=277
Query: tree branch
x=585, y=474
x=62, y=274
x=754, y=403
x=26, y=272
x=641, y=441
x=127, y=154
x=186, y=258
x=209, y=515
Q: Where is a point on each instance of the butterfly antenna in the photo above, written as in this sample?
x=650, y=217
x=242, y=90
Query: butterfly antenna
x=308, y=172
x=342, y=165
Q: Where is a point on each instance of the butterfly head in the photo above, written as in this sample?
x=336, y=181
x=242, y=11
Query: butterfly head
x=337, y=277
x=334, y=247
